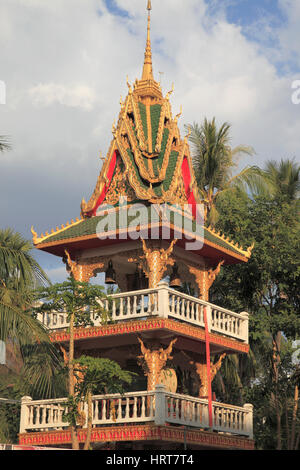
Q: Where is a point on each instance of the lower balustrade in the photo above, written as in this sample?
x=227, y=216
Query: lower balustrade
x=160, y=407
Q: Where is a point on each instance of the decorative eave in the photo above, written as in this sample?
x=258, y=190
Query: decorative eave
x=221, y=236
x=43, y=238
x=83, y=234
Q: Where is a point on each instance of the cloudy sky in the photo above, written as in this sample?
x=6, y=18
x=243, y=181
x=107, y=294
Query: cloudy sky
x=64, y=64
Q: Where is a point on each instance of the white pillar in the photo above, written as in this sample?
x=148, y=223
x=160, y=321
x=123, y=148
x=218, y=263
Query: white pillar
x=160, y=405
x=163, y=299
x=25, y=401
x=248, y=407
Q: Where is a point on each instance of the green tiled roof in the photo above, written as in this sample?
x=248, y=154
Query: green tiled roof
x=88, y=227
x=155, y=111
x=142, y=109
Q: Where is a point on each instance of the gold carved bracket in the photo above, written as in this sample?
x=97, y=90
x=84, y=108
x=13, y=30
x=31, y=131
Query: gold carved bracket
x=153, y=360
x=83, y=270
x=154, y=262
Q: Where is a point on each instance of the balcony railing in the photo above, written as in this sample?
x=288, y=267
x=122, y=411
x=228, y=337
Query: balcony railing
x=160, y=407
x=166, y=303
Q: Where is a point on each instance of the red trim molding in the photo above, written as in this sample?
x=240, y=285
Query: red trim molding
x=141, y=433
x=139, y=326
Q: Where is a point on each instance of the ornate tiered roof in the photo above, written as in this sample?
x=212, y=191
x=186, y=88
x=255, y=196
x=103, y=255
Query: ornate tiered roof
x=147, y=156
x=148, y=162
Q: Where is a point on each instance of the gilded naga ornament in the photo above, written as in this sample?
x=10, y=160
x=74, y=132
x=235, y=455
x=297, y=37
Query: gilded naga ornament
x=153, y=362
x=201, y=369
x=154, y=262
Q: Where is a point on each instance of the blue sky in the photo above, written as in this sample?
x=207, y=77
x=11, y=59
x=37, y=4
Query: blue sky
x=245, y=12
x=114, y=8
x=65, y=69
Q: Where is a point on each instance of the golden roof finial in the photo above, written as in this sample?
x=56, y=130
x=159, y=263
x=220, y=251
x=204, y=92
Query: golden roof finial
x=147, y=69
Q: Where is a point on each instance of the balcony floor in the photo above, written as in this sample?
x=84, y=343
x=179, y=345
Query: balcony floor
x=126, y=332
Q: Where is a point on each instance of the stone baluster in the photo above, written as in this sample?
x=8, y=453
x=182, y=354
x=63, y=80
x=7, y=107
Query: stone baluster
x=143, y=407
x=134, y=307
x=25, y=413
x=134, y=414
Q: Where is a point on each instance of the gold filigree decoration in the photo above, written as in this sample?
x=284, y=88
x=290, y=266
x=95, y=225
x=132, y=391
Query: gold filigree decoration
x=118, y=187
x=201, y=370
x=154, y=361
x=213, y=273
x=154, y=262
x=204, y=278
x=83, y=270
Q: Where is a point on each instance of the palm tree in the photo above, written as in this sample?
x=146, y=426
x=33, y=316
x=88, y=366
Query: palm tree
x=4, y=144
x=20, y=274
x=214, y=160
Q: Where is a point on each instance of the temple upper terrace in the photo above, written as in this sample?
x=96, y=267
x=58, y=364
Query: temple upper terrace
x=165, y=303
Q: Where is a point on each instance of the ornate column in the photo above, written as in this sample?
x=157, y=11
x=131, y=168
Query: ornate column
x=153, y=360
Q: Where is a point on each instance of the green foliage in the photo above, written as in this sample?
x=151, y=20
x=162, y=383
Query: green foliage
x=96, y=376
x=5, y=145
x=101, y=376
x=81, y=299
x=44, y=374
x=19, y=275
x=214, y=161
x=284, y=179
x=10, y=388
x=267, y=286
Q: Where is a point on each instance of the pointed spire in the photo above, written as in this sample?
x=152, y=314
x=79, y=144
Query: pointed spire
x=147, y=69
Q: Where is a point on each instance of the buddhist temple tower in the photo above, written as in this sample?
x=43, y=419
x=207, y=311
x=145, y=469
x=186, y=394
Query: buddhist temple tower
x=143, y=227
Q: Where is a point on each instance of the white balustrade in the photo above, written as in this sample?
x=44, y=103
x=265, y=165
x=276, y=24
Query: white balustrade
x=159, y=407
x=164, y=302
x=42, y=415
x=54, y=320
x=132, y=305
x=130, y=408
x=233, y=419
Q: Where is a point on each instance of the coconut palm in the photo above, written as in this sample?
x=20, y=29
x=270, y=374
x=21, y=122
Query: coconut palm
x=20, y=274
x=214, y=161
x=4, y=144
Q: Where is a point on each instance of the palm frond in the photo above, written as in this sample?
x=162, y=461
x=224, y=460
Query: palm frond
x=4, y=143
x=16, y=262
x=20, y=325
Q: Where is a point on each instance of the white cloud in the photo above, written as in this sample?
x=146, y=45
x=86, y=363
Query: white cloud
x=74, y=96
